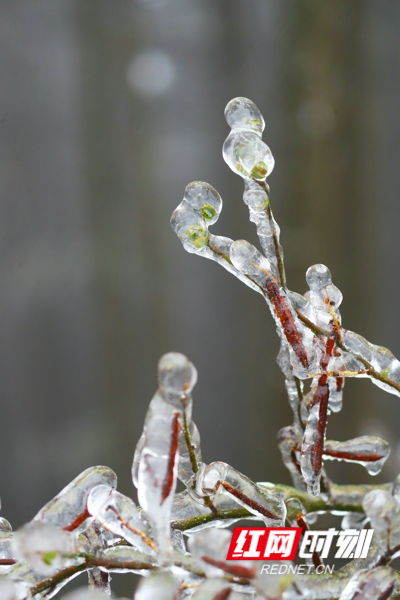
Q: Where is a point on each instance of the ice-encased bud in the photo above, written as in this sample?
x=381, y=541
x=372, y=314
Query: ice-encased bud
x=318, y=277
x=159, y=585
x=247, y=155
x=247, y=259
x=204, y=200
x=190, y=227
x=43, y=546
x=98, y=495
x=242, y=113
x=370, y=584
x=176, y=374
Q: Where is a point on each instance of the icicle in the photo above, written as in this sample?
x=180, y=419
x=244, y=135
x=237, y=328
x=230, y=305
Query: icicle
x=243, y=150
x=370, y=584
x=68, y=509
x=313, y=440
x=155, y=463
x=368, y=451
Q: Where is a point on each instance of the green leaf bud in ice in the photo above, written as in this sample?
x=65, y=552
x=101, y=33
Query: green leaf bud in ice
x=190, y=227
x=204, y=200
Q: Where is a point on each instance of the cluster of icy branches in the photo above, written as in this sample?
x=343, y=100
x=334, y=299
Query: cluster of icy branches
x=179, y=541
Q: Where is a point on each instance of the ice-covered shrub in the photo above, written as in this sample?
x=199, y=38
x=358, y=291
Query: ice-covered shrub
x=179, y=541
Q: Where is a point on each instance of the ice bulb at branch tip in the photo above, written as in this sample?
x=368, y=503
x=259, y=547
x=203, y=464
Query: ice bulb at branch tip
x=176, y=374
x=247, y=155
x=204, y=200
x=318, y=277
x=242, y=113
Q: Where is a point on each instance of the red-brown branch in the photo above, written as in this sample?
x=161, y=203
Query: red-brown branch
x=287, y=321
x=352, y=455
x=169, y=478
x=248, y=501
x=79, y=519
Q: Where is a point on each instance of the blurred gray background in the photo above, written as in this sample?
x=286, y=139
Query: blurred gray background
x=108, y=108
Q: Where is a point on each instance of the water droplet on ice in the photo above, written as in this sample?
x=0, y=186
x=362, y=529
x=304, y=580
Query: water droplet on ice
x=318, y=277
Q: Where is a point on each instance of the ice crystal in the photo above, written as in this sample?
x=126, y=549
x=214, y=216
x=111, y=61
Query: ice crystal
x=178, y=541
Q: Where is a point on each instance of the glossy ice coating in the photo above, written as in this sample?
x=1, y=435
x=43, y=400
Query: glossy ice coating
x=242, y=113
x=190, y=227
x=98, y=495
x=318, y=276
x=204, y=199
x=176, y=374
x=43, y=546
x=247, y=155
